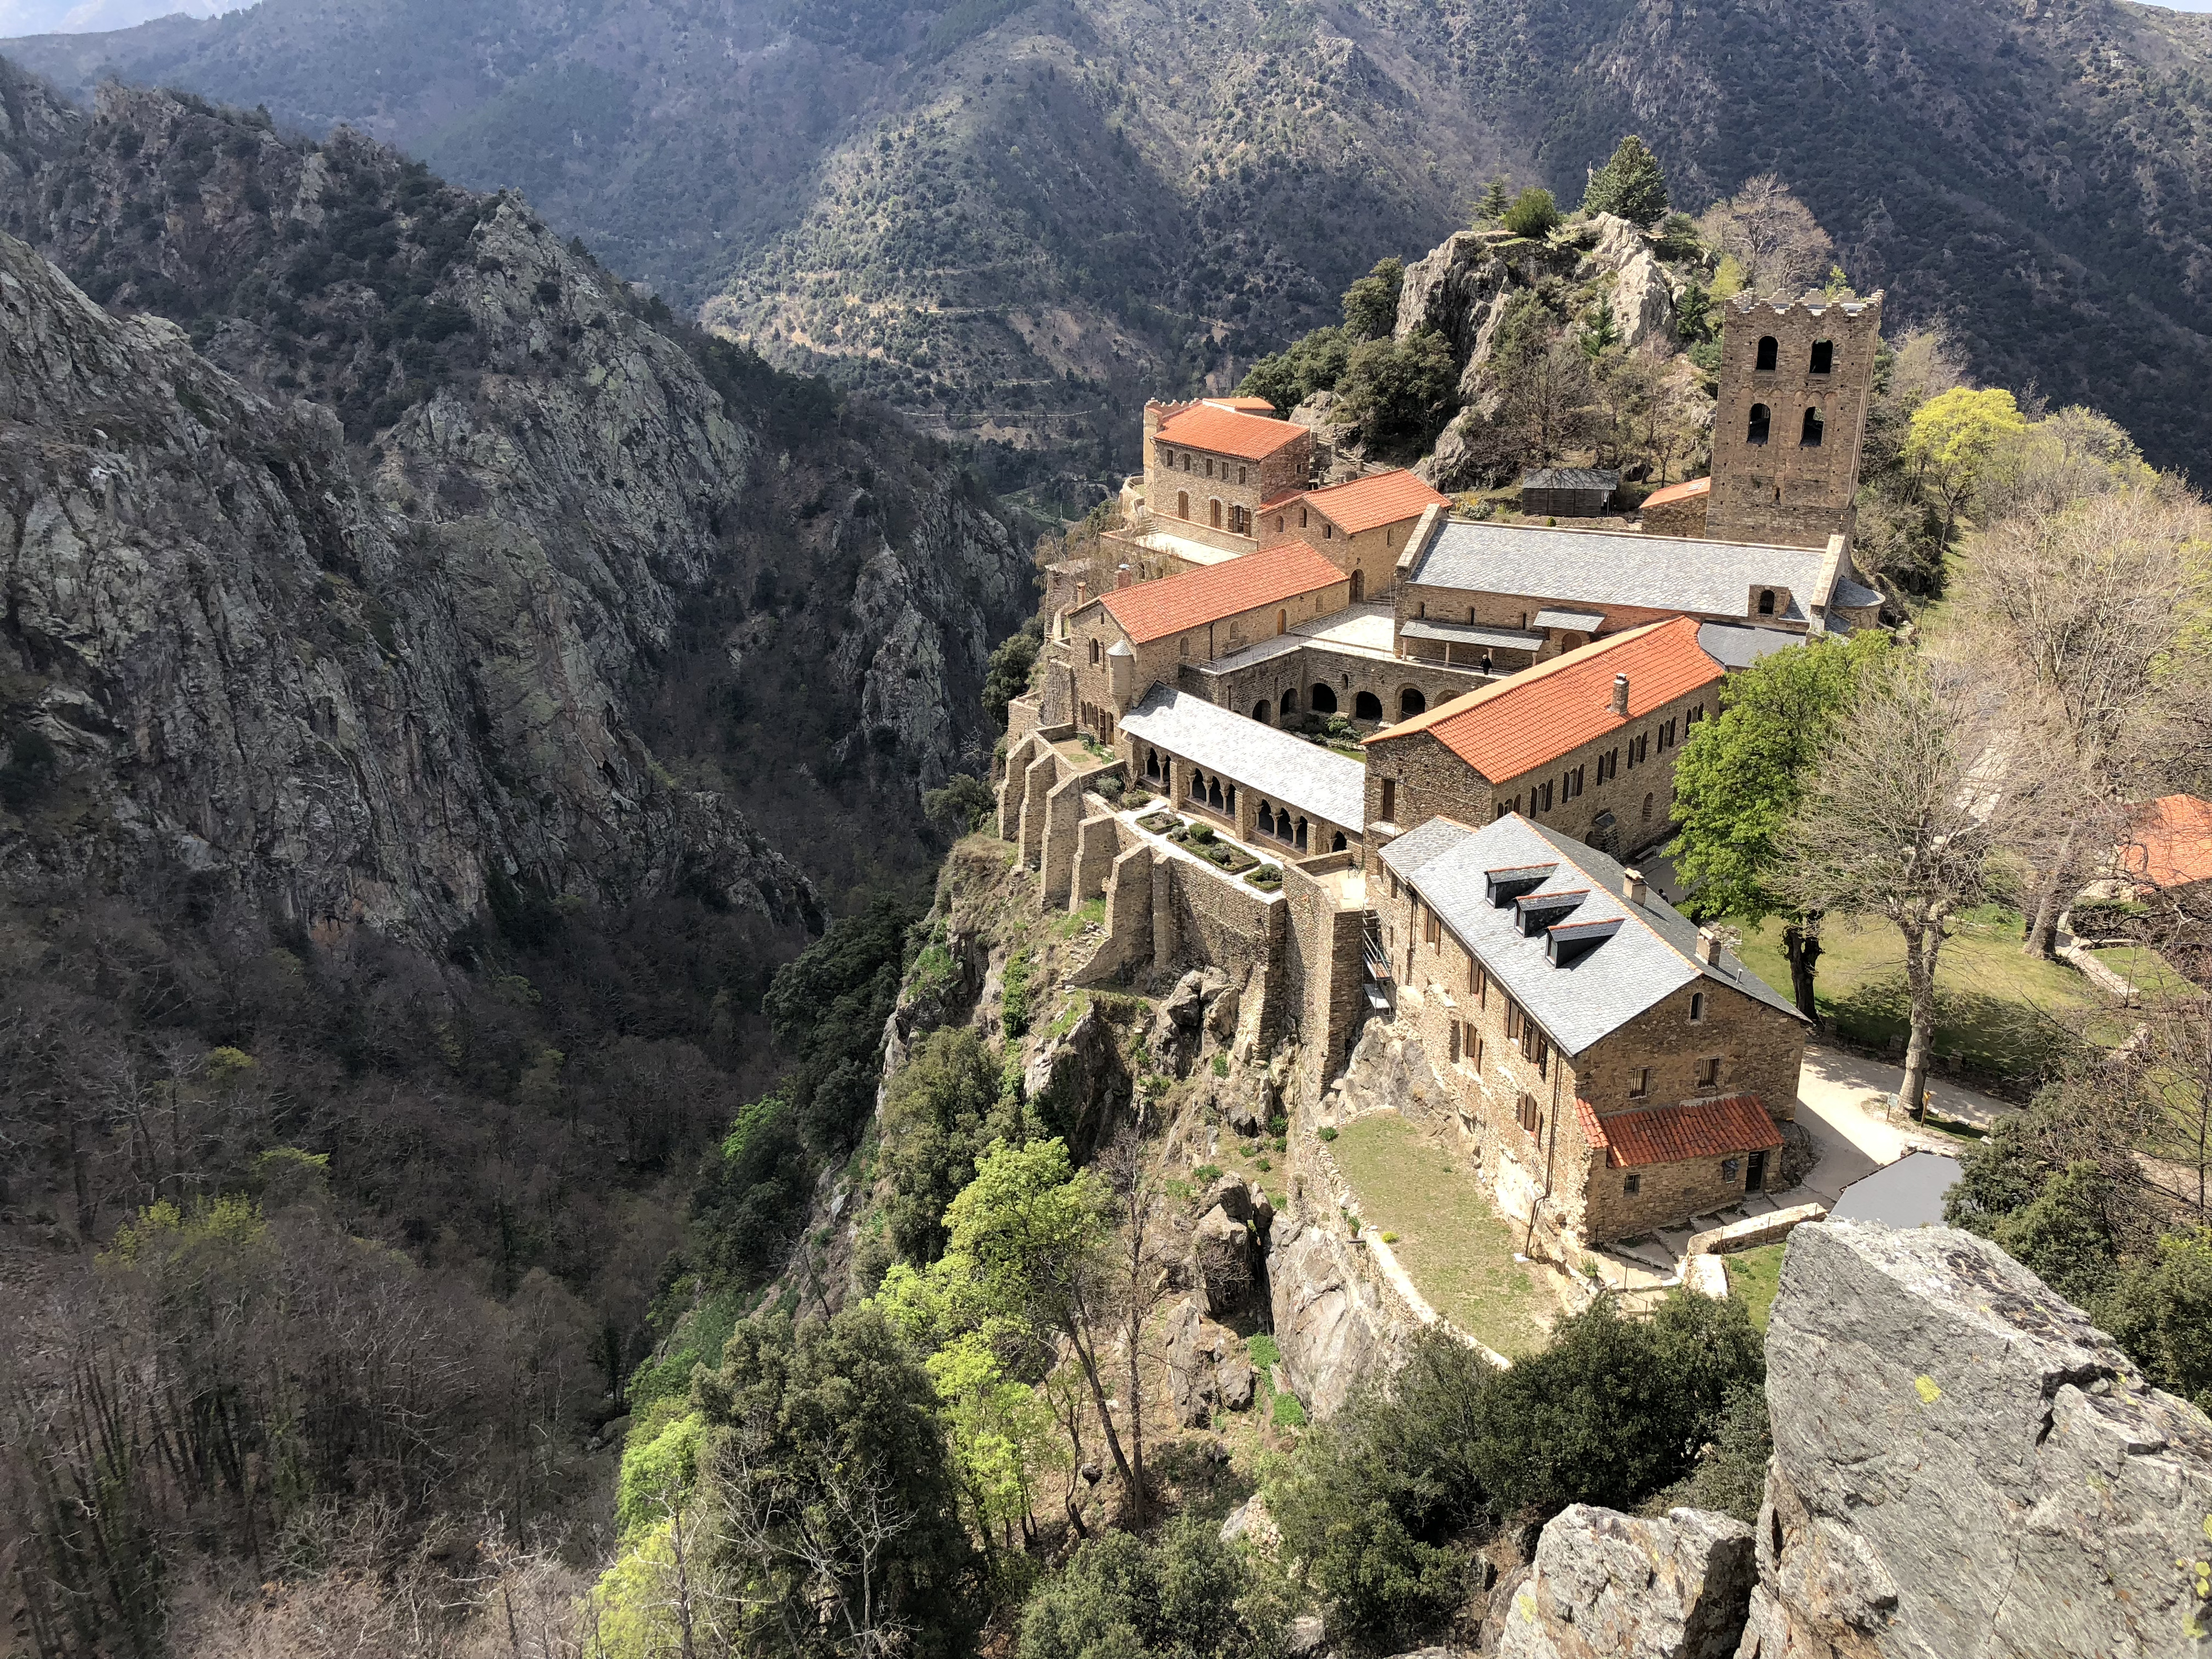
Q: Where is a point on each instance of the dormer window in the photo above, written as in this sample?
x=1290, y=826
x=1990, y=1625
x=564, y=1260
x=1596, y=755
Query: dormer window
x=1766, y=602
x=1504, y=886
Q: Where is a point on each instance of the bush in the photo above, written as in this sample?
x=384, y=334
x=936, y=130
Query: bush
x=1008, y=676
x=1326, y=1133
x=1534, y=213
x=962, y=805
x=1014, y=1011
x=1189, y=1595
x=1399, y=391
x=1111, y=787
x=1289, y=376
x=1289, y=1413
x=1371, y=305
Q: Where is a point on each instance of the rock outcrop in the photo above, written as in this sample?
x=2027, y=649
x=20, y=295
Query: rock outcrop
x=1964, y=1466
x=1613, y=1586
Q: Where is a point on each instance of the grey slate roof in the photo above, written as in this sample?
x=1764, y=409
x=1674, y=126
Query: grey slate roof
x=1571, y=477
x=1734, y=646
x=1452, y=633
x=1851, y=595
x=1287, y=769
x=1583, y=621
x=1653, y=953
x=1599, y=567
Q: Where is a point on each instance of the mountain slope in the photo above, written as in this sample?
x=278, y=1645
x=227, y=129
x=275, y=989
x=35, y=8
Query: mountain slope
x=1010, y=219
x=551, y=591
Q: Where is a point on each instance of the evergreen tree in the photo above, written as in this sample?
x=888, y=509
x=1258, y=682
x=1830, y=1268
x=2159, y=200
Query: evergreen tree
x=1492, y=208
x=1533, y=213
x=1630, y=185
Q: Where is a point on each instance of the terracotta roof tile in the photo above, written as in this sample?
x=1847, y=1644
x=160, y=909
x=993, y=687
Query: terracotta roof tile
x=1681, y=492
x=1152, y=611
x=1228, y=432
x=1533, y=718
x=2172, y=843
x=1384, y=498
x=1243, y=405
x=1726, y=1128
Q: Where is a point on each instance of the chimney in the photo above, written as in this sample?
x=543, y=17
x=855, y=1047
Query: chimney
x=1638, y=892
x=1082, y=591
x=1709, y=947
x=1620, y=694
x=1122, y=575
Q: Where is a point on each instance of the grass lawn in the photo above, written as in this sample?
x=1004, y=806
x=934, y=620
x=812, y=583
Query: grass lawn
x=2148, y=972
x=2004, y=1014
x=1455, y=1247
x=1753, y=1277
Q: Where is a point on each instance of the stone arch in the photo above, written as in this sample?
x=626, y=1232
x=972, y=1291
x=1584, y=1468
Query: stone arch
x=1322, y=699
x=1267, y=819
x=1151, y=762
x=1336, y=842
x=1647, y=809
x=1412, y=702
x=1814, y=429
x=1824, y=357
x=1302, y=835
x=1358, y=586
x=1213, y=791
x=1094, y=653
x=1366, y=706
x=1766, y=601
x=1770, y=352
x=1288, y=702
x=1260, y=711
x=1761, y=423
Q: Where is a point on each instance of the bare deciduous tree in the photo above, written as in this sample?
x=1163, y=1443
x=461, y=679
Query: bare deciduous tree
x=1772, y=235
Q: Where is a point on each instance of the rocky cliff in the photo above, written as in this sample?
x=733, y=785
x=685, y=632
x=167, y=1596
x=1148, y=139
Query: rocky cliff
x=1964, y=1468
x=530, y=586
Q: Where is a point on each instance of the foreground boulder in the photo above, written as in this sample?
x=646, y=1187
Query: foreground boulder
x=1964, y=1467
x=1613, y=1586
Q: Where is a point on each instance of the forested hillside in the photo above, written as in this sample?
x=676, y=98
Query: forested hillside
x=1015, y=222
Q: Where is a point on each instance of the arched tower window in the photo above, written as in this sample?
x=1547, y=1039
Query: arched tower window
x=1770, y=352
x=1358, y=586
x=1809, y=436
x=1762, y=418
x=1766, y=601
x=1824, y=357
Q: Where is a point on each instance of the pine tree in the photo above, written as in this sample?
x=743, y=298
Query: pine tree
x=1495, y=201
x=1630, y=185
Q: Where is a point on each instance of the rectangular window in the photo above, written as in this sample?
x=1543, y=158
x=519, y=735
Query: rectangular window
x=1475, y=976
x=1431, y=929
x=1512, y=1020
x=1529, y=1116
x=1639, y=1082
x=1547, y=795
x=1631, y=1183
x=1481, y=1048
x=1708, y=1071
x=1390, y=807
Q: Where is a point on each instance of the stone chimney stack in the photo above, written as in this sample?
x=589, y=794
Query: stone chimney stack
x=1082, y=593
x=1122, y=575
x=1709, y=947
x=1638, y=892
x=1620, y=694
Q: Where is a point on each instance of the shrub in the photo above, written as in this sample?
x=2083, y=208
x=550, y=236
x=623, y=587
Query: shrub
x=1207, y=1174
x=1398, y=390
x=1287, y=377
x=1111, y=787
x=1264, y=1352
x=1389, y=1238
x=1289, y=1413
x=1326, y=1133
x=1187, y=1595
x=1014, y=1011
x=1203, y=834
x=941, y=1110
x=1534, y=213
x=1371, y=305
x=962, y=805
x=1221, y=1065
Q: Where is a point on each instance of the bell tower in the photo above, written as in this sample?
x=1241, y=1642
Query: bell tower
x=1794, y=380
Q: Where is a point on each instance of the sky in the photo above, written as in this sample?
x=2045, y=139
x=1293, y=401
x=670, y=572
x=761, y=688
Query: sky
x=88, y=16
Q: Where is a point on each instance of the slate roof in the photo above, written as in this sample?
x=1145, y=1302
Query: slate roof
x=1731, y=1125
x=1613, y=566
x=1681, y=492
x=1651, y=953
x=1286, y=769
x=1506, y=729
x=2173, y=843
x=1452, y=633
x=1732, y=645
x=1852, y=595
x=1571, y=477
x=1370, y=503
x=1228, y=432
x=1152, y=611
x=1582, y=621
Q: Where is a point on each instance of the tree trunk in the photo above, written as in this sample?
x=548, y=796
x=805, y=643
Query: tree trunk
x=1801, y=939
x=1136, y=1418
x=2043, y=932
x=1086, y=1358
x=1921, y=943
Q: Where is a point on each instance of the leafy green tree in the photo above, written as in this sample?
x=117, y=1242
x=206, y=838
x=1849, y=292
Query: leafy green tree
x=1951, y=440
x=838, y=1507
x=827, y=1005
x=1739, y=778
x=1371, y=305
x=962, y=805
x=1491, y=210
x=946, y=1105
x=1287, y=377
x=2161, y=1314
x=752, y=1194
x=2064, y=1235
x=1187, y=1595
x=1008, y=674
x=1400, y=392
x=1534, y=213
x=1630, y=185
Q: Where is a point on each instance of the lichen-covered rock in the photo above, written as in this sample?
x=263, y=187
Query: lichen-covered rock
x=1613, y=1586
x=1642, y=297
x=1965, y=1467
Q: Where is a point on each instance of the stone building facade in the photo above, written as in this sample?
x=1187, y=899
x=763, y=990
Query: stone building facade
x=1209, y=466
x=1794, y=381
x=1362, y=526
x=1586, y=742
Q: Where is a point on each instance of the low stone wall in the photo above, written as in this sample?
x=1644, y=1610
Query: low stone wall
x=1754, y=1231
x=1322, y=959
x=1128, y=939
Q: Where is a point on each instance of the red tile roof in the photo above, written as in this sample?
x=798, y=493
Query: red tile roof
x=2172, y=844
x=1152, y=611
x=1248, y=405
x=1384, y=498
x=1533, y=718
x=1673, y=1134
x=1681, y=492
x=1228, y=432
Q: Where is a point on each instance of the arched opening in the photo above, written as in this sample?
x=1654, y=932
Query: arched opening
x=1824, y=357
x=1282, y=622
x=1301, y=517
x=1289, y=701
x=1770, y=352
x=1321, y=699
x=1762, y=418
x=1094, y=653
x=1336, y=842
x=1358, y=586
x=1151, y=762
x=1213, y=512
x=1278, y=523
x=1260, y=711
x=1366, y=706
x=1809, y=437
x=1194, y=785
x=1267, y=819
x=1214, y=793
x=1647, y=809
x=1766, y=601
x=1182, y=503
x=1411, y=702
x=1302, y=834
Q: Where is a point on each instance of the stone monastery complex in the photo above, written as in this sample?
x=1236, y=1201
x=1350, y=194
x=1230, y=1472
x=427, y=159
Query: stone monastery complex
x=1368, y=759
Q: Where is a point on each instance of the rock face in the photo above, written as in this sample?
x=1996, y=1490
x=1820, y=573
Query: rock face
x=1964, y=1466
x=1221, y=1253
x=1642, y=297
x=1612, y=1586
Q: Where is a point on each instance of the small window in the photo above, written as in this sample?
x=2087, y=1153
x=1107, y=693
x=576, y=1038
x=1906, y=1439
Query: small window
x=1639, y=1082
x=1708, y=1071
x=1240, y=475
x=1697, y=1007
x=1824, y=357
x=1766, y=601
x=1182, y=503
x=1094, y=653
x=1302, y=517
x=1527, y=1113
x=1808, y=435
x=1186, y=460
x=1647, y=809
x=1455, y=1042
x=1512, y=1020
x=1214, y=513
x=1770, y=352
x=1209, y=466
x=1390, y=804
x=1328, y=531
x=1762, y=421
x=1283, y=626
x=1732, y=1170
x=1631, y=1183
x=1278, y=523
x=1183, y=644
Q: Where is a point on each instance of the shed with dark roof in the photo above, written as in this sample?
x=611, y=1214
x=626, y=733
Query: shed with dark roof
x=1568, y=492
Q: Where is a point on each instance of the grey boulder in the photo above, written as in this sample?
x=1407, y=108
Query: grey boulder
x=1613, y=1586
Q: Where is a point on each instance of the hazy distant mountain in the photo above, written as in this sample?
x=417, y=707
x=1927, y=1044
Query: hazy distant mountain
x=1015, y=219
x=87, y=16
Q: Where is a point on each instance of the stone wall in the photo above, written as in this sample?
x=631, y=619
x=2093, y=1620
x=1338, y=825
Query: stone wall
x=1685, y=516
x=1299, y=668
x=1323, y=960
x=1177, y=474
x=1760, y=1048
x=1373, y=554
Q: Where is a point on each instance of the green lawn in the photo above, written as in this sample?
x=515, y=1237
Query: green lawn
x=2004, y=1014
x=1754, y=1278
x=2148, y=972
x=1453, y=1245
